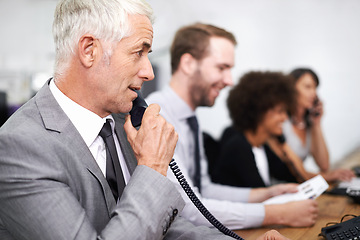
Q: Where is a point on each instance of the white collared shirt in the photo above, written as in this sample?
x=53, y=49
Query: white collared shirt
x=89, y=125
x=262, y=163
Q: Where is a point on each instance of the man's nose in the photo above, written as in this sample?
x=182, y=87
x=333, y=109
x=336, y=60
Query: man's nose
x=147, y=72
x=228, y=80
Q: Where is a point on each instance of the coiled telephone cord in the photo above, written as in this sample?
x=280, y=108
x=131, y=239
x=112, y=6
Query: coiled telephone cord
x=185, y=185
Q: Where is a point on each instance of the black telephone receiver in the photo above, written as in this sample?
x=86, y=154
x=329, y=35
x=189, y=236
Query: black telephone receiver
x=281, y=138
x=136, y=113
x=313, y=112
x=138, y=109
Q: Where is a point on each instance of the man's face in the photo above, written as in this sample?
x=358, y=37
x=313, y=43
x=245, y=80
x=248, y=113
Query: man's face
x=213, y=72
x=127, y=68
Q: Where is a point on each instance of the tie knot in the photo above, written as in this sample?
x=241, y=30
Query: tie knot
x=106, y=130
x=193, y=123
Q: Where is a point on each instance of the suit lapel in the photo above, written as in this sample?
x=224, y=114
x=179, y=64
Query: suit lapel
x=56, y=120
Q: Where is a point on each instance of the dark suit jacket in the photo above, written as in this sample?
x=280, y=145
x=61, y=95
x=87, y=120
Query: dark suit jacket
x=236, y=164
x=52, y=188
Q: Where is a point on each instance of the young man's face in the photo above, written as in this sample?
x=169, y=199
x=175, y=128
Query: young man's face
x=213, y=72
x=127, y=68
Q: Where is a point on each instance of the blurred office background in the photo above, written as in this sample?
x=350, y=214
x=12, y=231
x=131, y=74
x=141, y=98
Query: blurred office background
x=275, y=35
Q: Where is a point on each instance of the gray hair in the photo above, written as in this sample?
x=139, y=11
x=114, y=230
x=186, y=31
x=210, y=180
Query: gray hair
x=104, y=19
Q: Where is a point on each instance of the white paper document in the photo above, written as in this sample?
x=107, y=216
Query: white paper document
x=310, y=189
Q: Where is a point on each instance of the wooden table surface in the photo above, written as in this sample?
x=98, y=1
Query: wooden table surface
x=331, y=209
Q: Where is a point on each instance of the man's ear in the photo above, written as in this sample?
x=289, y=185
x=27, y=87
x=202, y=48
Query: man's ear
x=188, y=63
x=88, y=48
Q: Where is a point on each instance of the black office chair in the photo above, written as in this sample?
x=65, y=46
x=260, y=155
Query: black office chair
x=4, y=114
x=212, y=149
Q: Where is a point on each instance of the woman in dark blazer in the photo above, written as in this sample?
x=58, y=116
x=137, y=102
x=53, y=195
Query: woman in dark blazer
x=258, y=106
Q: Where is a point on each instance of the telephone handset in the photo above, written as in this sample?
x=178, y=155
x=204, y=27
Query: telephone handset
x=280, y=138
x=313, y=110
x=138, y=109
x=136, y=113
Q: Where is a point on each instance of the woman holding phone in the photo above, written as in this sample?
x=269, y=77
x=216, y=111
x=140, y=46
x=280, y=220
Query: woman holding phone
x=303, y=131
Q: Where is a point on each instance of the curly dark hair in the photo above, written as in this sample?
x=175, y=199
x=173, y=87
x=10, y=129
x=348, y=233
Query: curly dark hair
x=255, y=94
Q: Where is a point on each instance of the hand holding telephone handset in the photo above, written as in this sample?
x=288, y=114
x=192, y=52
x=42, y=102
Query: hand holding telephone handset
x=316, y=108
x=314, y=114
x=136, y=113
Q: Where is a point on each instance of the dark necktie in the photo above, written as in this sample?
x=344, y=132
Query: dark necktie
x=193, y=123
x=114, y=174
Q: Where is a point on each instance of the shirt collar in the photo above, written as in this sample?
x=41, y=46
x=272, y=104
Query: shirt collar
x=181, y=109
x=86, y=122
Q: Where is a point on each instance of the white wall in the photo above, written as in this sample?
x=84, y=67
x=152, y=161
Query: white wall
x=26, y=47
x=275, y=35
x=279, y=35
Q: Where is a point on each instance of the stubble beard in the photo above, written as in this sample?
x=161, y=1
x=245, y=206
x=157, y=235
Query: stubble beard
x=199, y=91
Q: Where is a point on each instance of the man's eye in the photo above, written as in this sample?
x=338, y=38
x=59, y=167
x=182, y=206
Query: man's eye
x=221, y=68
x=140, y=53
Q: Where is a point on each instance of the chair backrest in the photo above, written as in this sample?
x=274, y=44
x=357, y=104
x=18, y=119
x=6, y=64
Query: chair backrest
x=212, y=149
x=3, y=108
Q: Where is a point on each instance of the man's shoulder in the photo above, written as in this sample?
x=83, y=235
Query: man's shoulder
x=21, y=119
x=155, y=97
x=162, y=99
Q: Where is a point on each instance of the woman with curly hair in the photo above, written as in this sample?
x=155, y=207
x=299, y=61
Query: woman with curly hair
x=258, y=106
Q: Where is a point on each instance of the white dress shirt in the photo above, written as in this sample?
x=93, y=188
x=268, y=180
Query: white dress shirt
x=89, y=125
x=224, y=202
x=262, y=164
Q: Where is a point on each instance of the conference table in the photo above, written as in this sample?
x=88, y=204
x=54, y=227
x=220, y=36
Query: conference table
x=331, y=209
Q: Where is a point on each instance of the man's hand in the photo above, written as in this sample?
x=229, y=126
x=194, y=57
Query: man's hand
x=272, y=235
x=316, y=113
x=154, y=143
x=294, y=214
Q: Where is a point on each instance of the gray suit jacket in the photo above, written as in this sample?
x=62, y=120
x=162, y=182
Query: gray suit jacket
x=52, y=188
